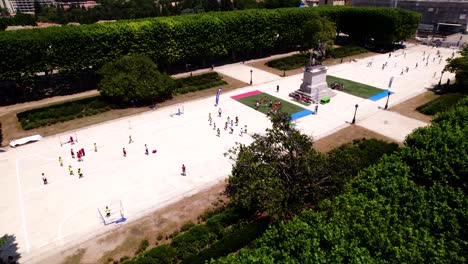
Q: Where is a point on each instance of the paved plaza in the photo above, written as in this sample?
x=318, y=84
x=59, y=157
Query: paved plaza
x=47, y=218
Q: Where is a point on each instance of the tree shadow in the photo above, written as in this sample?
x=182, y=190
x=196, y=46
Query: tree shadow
x=9, y=250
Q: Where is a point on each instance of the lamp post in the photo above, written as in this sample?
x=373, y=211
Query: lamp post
x=442, y=74
x=388, y=98
x=355, y=110
x=251, y=77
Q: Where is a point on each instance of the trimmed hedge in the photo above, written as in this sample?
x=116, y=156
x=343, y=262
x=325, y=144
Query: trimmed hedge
x=291, y=62
x=346, y=51
x=62, y=112
x=440, y=104
x=198, y=82
x=177, y=39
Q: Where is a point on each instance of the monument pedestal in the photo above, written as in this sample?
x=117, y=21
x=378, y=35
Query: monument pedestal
x=314, y=83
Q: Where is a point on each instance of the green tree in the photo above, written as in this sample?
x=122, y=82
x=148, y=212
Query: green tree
x=459, y=66
x=226, y=5
x=278, y=173
x=134, y=78
x=319, y=34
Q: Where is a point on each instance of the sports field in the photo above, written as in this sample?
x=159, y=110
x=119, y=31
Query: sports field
x=355, y=88
x=264, y=107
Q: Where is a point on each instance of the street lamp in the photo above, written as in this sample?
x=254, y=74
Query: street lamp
x=442, y=74
x=251, y=77
x=355, y=110
x=388, y=98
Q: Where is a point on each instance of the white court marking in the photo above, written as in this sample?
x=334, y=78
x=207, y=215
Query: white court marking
x=21, y=205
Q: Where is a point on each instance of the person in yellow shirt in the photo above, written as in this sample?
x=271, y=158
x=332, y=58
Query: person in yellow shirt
x=108, y=212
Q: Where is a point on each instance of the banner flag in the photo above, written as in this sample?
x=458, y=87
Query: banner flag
x=217, y=95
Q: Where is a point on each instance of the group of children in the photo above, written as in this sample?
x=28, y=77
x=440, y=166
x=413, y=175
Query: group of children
x=229, y=122
x=79, y=154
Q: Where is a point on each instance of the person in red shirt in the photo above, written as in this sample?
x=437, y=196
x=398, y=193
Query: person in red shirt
x=124, y=152
x=183, y=170
x=72, y=153
x=82, y=152
x=71, y=140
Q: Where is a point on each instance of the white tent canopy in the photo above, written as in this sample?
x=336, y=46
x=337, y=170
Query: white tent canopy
x=22, y=141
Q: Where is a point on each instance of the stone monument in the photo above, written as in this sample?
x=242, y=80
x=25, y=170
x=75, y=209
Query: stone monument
x=314, y=83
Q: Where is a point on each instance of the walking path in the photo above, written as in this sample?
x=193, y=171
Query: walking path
x=48, y=218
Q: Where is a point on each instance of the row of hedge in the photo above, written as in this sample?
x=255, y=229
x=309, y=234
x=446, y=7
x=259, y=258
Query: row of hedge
x=291, y=62
x=440, y=104
x=168, y=40
x=411, y=207
x=346, y=51
x=20, y=19
x=224, y=232
x=61, y=112
x=198, y=82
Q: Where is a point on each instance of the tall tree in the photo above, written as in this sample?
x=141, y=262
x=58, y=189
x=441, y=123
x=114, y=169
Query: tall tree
x=226, y=5
x=134, y=78
x=278, y=173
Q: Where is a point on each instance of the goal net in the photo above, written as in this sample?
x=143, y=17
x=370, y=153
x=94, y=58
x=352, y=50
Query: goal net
x=70, y=138
x=177, y=110
x=111, y=213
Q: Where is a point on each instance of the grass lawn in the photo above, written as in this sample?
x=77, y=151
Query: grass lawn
x=355, y=88
x=291, y=62
x=441, y=104
x=287, y=106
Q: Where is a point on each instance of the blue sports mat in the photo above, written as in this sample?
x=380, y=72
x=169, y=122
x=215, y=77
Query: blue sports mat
x=379, y=96
x=301, y=114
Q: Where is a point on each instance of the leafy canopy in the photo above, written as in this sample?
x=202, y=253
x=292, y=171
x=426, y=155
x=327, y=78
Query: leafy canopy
x=134, y=78
x=278, y=173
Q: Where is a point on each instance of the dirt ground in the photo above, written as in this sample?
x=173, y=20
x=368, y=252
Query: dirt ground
x=156, y=228
x=12, y=129
x=260, y=64
x=347, y=135
x=408, y=107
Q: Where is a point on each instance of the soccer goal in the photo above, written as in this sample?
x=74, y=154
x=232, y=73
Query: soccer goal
x=112, y=213
x=177, y=110
x=70, y=138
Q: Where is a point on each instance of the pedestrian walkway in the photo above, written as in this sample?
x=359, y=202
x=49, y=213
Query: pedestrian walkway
x=247, y=73
x=391, y=124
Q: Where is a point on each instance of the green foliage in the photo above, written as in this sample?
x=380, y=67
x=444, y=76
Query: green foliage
x=62, y=112
x=347, y=160
x=20, y=19
x=411, y=207
x=142, y=247
x=346, y=51
x=186, y=227
x=291, y=62
x=198, y=82
x=134, y=78
x=459, y=66
x=168, y=40
x=278, y=173
x=318, y=31
x=441, y=104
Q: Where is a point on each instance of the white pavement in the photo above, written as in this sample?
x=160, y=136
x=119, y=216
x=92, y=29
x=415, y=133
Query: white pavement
x=46, y=219
x=391, y=124
x=242, y=72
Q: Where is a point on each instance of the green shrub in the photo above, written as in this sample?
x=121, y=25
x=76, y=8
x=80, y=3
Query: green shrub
x=198, y=82
x=192, y=241
x=187, y=226
x=143, y=245
x=159, y=237
x=441, y=104
x=291, y=62
x=238, y=237
x=161, y=254
x=346, y=51
x=62, y=112
x=124, y=258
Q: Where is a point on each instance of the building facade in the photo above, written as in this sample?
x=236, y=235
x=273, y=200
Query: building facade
x=437, y=15
x=23, y=6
